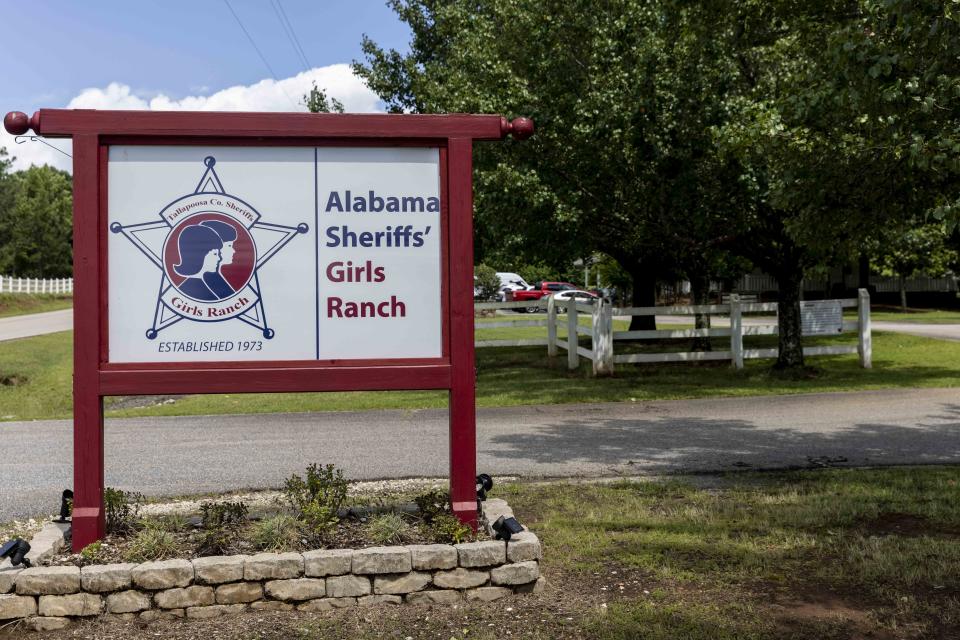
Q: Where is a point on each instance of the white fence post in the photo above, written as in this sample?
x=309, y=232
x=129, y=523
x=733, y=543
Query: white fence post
x=573, y=358
x=865, y=344
x=736, y=331
x=551, y=327
x=603, y=338
x=19, y=285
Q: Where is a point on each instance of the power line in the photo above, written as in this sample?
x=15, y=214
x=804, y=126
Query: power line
x=259, y=53
x=303, y=53
x=291, y=36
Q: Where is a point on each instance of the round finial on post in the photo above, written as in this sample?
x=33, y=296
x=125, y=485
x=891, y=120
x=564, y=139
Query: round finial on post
x=522, y=128
x=16, y=123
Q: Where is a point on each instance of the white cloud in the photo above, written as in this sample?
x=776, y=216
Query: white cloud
x=267, y=95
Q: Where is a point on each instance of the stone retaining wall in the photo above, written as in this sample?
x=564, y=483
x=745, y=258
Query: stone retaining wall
x=49, y=597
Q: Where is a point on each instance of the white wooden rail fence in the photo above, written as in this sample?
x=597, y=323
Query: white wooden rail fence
x=11, y=284
x=602, y=336
x=509, y=323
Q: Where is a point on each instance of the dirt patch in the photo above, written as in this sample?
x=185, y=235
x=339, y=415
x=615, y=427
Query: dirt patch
x=906, y=525
x=139, y=402
x=830, y=608
x=14, y=380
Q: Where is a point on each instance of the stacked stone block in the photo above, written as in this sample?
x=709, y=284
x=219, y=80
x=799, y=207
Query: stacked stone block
x=49, y=597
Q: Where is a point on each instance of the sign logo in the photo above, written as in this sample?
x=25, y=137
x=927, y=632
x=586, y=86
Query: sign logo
x=209, y=247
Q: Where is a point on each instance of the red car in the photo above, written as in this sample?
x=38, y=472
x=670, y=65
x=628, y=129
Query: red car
x=537, y=291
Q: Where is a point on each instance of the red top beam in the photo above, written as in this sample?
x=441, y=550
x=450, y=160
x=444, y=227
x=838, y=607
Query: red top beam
x=62, y=123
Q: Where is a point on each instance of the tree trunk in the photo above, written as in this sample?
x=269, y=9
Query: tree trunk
x=700, y=288
x=863, y=271
x=903, y=293
x=789, y=285
x=644, y=295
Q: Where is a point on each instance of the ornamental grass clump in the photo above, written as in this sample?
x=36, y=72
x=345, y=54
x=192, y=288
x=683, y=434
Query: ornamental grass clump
x=278, y=533
x=151, y=544
x=388, y=528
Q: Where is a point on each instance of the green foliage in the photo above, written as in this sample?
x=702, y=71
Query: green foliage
x=170, y=522
x=317, y=101
x=277, y=533
x=623, y=95
x=92, y=553
x=221, y=522
x=681, y=138
x=486, y=282
x=388, y=528
x=433, y=503
x=448, y=529
x=151, y=544
x=121, y=509
x=218, y=514
x=317, y=500
x=36, y=223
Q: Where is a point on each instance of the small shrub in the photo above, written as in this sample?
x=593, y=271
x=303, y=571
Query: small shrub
x=278, y=533
x=221, y=523
x=432, y=504
x=214, y=515
x=486, y=282
x=170, y=522
x=388, y=528
x=317, y=500
x=151, y=544
x=92, y=553
x=121, y=509
x=447, y=529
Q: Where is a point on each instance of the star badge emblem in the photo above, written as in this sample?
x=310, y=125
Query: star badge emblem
x=209, y=246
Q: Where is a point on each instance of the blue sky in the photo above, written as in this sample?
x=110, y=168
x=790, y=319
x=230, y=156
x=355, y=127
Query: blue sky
x=181, y=54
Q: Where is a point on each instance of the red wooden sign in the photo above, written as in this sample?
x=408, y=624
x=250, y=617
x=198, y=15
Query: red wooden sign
x=97, y=374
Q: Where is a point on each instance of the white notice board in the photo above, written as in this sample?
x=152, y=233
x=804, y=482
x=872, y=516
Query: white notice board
x=821, y=317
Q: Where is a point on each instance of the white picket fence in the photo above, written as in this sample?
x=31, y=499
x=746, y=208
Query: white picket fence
x=11, y=284
x=601, y=352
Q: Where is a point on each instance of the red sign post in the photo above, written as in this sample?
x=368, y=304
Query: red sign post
x=96, y=376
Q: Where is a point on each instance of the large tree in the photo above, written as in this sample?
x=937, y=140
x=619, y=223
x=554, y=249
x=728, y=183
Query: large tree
x=623, y=93
x=847, y=122
x=670, y=131
x=36, y=226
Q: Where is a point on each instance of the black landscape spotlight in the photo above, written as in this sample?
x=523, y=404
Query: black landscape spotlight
x=506, y=527
x=17, y=551
x=484, y=483
x=66, y=506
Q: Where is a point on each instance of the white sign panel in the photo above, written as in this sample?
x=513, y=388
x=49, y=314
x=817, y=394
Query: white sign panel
x=273, y=253
x=821, y=317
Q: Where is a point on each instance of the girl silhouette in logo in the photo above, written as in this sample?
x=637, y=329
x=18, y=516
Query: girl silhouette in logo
x=215, y=280
x=202, y=250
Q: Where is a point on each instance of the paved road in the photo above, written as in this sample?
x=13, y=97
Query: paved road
x=194, y=454
x=35, y=324
x=941, y=331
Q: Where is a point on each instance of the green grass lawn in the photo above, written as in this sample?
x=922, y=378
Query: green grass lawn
x=834, y=554
x=819, y=554
x=17, y=304
x=35, y=376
